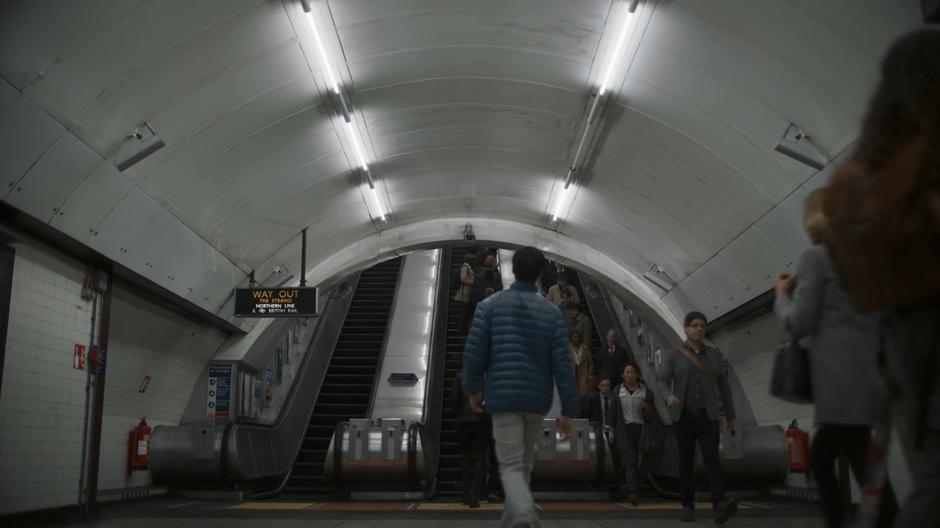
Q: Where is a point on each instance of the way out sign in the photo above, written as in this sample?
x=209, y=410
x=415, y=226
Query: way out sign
x=275, y=302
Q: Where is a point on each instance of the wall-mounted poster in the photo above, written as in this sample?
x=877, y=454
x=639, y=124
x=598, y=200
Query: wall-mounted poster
x=658, y=359
x=632, y=317
x=219, y=392
x=268, y=389
x=278, y=366
x=256, y=395
x=298, y=325
x=649, y=348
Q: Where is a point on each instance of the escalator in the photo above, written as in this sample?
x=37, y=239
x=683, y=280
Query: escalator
x=350, y=378
x=448, y=475
x=597, y=340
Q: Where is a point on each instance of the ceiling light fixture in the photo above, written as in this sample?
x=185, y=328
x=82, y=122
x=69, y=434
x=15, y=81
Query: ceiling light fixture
x=353, y=136
x=373, y=195
x=598, y=100
x=621, y=41
x=562, y=201
x=325, y=65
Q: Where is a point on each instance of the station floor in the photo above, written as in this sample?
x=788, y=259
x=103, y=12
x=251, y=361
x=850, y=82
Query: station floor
x=178, y=512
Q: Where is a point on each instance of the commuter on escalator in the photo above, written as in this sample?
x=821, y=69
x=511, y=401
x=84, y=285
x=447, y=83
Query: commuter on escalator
x=843, y=352
x=582, y=363
x=465, y=284
x=493, y=279
x=473, y=431
x=631, y=406
x=611, y=358
x=578, y=321
x=562, y=292
x=687, y=383
x=519, y=344
x=597, y=410
x=884, y=209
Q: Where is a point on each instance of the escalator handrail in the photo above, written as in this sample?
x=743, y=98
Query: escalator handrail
x=290, y=403
x=432, y=418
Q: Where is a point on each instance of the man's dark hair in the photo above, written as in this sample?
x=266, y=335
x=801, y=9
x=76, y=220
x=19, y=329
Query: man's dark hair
x=572, y=333
x=691, y=317
x=602, y=378
x=905, y=105
x=527, y=264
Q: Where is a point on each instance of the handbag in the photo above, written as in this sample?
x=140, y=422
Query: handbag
x=651, y=438
x=790, y=378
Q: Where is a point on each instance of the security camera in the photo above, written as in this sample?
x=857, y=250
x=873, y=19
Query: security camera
x=468, y=232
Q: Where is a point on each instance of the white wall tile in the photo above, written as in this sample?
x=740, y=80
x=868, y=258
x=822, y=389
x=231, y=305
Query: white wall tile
x=38, y=456
x=42, y=401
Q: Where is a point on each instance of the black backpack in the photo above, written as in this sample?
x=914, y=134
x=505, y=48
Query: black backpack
x=455, y=278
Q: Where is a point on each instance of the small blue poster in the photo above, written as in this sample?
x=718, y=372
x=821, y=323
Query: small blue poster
x=219, y=394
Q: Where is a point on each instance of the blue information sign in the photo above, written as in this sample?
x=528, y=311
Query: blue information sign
x=219, y=395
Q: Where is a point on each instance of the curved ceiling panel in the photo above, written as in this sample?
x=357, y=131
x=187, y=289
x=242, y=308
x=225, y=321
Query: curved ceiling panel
x=466, y=109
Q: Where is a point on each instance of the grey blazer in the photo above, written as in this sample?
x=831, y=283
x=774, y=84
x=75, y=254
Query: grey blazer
x=843, y=344
x=677, y=371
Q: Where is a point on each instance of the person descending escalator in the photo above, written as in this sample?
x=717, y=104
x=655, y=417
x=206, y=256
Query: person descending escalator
x=631, y=407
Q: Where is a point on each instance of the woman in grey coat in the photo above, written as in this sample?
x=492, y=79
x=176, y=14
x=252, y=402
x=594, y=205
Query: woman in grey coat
x=843, y=349
x=630, y=407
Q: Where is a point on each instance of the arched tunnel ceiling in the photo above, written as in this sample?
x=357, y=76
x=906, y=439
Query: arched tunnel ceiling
x=470, y=109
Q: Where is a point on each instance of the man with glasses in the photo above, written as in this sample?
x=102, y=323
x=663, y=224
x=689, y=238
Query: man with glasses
x=688, y=381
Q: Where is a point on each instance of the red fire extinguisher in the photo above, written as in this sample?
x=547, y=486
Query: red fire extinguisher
x=138, y=449
x=797, y=448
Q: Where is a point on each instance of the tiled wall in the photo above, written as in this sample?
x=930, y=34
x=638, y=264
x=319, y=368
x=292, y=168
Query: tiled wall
x=42, y=403
x=147, y=340
x=750, y=347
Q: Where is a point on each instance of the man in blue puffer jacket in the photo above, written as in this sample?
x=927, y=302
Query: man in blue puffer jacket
x=519, y=342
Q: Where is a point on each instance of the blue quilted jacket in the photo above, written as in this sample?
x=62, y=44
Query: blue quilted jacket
x=519, y=342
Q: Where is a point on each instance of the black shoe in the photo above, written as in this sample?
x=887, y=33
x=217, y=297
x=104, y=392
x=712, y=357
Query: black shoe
x=725, y=510
x=688, y=514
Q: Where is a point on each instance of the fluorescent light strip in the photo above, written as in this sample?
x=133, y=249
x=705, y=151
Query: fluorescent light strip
x=560, y=202
x=325, y=65
x=353, y=136
x=618, y=49
x=376, y=203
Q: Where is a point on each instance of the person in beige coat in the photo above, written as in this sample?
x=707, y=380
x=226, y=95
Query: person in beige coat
x=582, y=362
